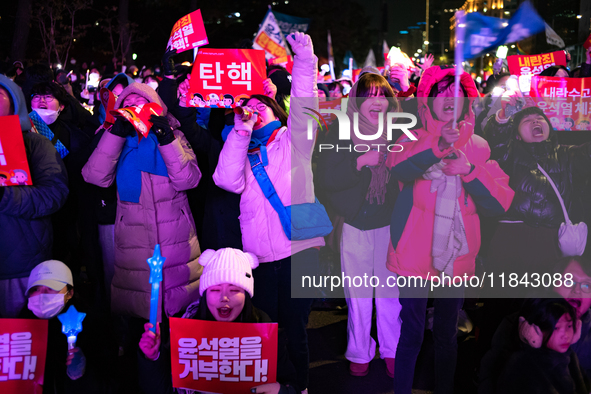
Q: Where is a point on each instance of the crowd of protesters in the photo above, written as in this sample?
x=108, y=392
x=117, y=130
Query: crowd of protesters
x=475, y=187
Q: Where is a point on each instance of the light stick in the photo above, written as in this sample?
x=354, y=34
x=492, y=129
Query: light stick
x=155, y=262
x=71, y=325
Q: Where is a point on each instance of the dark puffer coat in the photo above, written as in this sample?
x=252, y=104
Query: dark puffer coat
x=535, y=202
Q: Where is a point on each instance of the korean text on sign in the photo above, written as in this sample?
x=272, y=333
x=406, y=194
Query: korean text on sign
x=535, y=64
x=223, y=357
x=222, y=77
x=23, y=346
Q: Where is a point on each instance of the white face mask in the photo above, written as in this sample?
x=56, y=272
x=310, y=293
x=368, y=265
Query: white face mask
x=48, y=115
x=153, y=84
x=46, y=306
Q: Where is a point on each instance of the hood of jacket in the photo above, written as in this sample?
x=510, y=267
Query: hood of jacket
x=101, y=109
x=432, y=76
x=142, y=90
x=18, y=100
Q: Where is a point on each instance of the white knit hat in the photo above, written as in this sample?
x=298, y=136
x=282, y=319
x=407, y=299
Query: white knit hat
x=227, y=265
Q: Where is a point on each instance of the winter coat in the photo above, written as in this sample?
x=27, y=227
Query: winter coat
x=485, y=189
x=26, y=234
x=289, y=170
x=583, y=346
x=535, y=202
x=162, y=216
x=542, y=371
x=215, y=210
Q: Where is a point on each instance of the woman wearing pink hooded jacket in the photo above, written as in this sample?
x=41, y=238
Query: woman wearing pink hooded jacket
x=284, y=148
x=152, y=175
x=446, y=181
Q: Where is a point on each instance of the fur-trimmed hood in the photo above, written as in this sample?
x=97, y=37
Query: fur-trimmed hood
x=142, y=90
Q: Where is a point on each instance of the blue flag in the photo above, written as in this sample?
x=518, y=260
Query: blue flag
x=290, y=24
x=483, y=33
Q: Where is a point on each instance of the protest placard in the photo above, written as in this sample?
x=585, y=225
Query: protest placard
x=221, y=76
x=14, y=167
x=222, y=357
x=270, y=38
x=108, y=101
x=23, y=347
x=188, y=33
x=139, y=116
x=566, y=101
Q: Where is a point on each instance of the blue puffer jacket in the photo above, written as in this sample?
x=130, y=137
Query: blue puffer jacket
x=26, y=235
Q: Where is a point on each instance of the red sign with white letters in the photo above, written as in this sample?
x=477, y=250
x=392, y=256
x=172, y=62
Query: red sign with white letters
x=139, y=116
x=14, y=167
x=23, y=347
x=221, y=77
x=188, y=33
x=535, y=64
x=222, y=357
x=566, y=101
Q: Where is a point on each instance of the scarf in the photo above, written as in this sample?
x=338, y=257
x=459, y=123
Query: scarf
x=380, y=174
x=137, y=157
x=449, y=234
x=42, y=128
x=259, y=138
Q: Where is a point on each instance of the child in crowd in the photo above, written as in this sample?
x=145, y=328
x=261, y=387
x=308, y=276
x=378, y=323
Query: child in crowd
x=226, y=288
x=547, y=364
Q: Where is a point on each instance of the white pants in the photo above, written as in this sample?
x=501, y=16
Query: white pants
x=365, y=253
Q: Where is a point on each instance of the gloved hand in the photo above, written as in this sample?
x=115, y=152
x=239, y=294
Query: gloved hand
x=162, y=129
x=530, y=333
x=168, y=63
x=301, y=45
x=122, y=128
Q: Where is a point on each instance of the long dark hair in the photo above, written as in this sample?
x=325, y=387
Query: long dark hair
x=545, y=313
x=366, y=86
x=248, y=314
x=275, y=107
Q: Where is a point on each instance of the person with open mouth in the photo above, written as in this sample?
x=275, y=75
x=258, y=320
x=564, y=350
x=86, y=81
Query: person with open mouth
x=226, y=287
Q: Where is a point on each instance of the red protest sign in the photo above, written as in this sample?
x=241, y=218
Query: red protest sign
x=23, y=346
x=587, y=43
x=222, y=357
x=139, y=116
x=221, y=76
x=188, y=33
x=108, y=100
x=566, y=101
x=14, y=167
x=329, y=103
x=535, y=64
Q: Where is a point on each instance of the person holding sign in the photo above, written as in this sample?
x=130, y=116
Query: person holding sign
x=26, y=233
x=50, y=292
x=226, y=287
x=152, y=176
x=285, y=153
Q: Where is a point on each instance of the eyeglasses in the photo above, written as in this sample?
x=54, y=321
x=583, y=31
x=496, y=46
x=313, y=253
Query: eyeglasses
x=584, y=286
x=261, y=107
x=37, y=97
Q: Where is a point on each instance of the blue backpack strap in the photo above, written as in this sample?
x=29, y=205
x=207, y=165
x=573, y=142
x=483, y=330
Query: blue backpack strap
x=258, y=170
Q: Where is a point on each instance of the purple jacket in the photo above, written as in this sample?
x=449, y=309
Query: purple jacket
x=162, y=216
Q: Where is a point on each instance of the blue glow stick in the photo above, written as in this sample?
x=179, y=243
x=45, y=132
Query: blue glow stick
x=71, y=325
x=155, y=262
